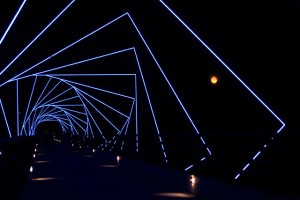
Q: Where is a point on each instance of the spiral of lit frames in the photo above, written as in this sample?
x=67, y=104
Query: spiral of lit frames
x=93, y=97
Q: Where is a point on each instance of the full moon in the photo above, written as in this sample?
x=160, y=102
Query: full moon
x=214, y=80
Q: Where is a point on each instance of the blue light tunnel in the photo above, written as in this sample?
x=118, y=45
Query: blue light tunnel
x=115, y=104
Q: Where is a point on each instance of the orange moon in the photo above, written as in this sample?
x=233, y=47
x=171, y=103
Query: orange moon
x=213, y=80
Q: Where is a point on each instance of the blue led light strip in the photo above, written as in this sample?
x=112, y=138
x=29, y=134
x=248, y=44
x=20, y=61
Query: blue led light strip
x=136, y=116
x=12, y=21
x=4, y=115
x=17, y=98
x=136, y=122
x=29, y=102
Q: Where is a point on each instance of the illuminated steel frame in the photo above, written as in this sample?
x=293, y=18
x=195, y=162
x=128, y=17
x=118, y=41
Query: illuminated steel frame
x=74, y=112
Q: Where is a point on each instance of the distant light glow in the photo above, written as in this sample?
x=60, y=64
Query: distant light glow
x=214, y=79
x=175, y=194
x=41, y=161
x=193, y=180
x=45, y=179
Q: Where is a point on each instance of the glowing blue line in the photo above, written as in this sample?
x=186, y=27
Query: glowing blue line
x=29, y=128
x=189, y=167
x=85, y=74
x=208, y=151
x=89, y=127
x=246, y=167
x=34, y=115
x=71, y=125
x=101, y=133
x=12, y=21
x=152, y=111
x=65, y=48
x=136, y=116
x=29, y=100
x=213, y=53
x=5, y=119
x=256, y=155
x=36, y=38
x=202, y=158
x=122, y=146
x=17, y=96
x=127, y=122
x=202, y=140
x=237, y=176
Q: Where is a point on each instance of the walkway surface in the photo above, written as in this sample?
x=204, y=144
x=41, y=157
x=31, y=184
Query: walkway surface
x=62, y=173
